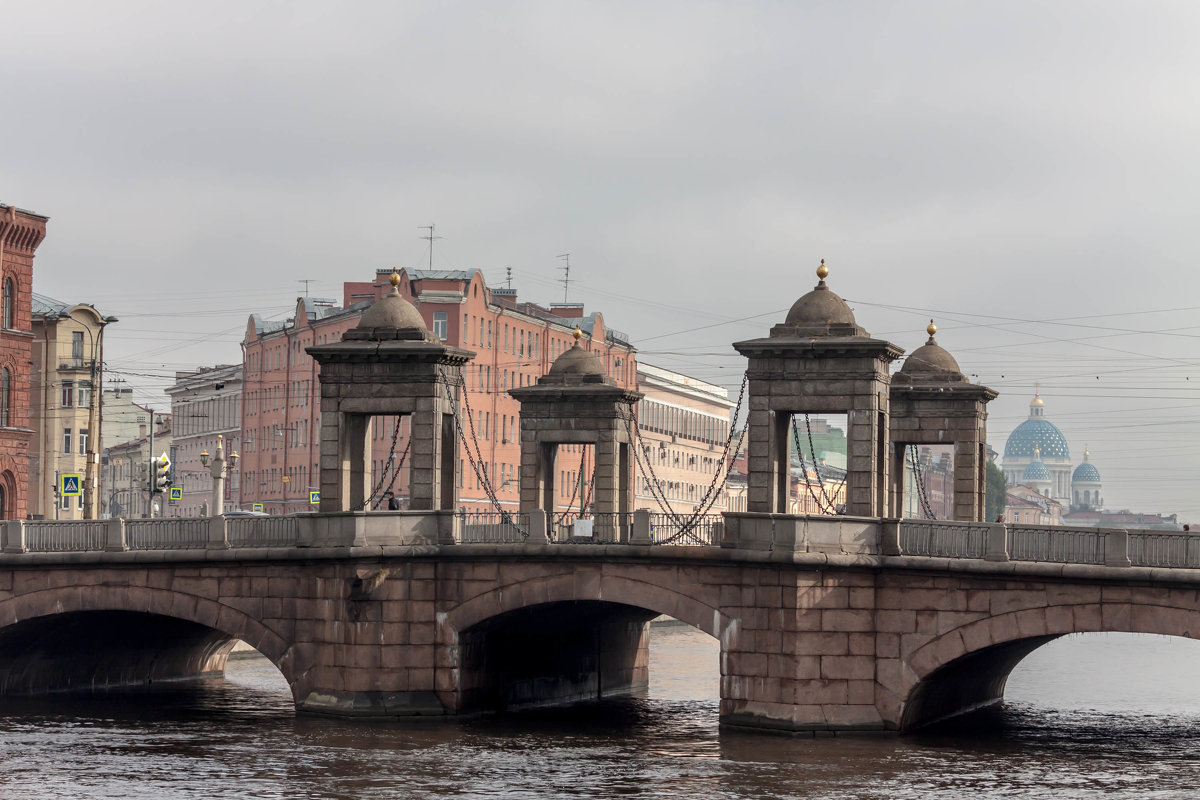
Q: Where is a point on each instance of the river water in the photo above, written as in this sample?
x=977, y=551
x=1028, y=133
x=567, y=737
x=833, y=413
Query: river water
x=1095, y=716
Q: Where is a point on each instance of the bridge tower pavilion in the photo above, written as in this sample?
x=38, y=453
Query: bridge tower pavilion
x=818, y=360
x=577, y=402
x=390, y=364
x=932, y=402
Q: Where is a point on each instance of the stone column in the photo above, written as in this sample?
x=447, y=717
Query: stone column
x=605, y=497
x=967, y=505
x=356, y=458
x=863, y=473
x=423, y=456
x=763, y=487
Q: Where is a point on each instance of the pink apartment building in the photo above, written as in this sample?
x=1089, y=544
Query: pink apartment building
x=515, y=343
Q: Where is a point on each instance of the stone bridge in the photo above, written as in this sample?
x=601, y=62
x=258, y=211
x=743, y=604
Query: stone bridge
x=824, y=623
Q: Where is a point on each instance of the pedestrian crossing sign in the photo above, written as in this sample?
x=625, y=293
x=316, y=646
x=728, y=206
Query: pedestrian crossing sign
x=256, y=507
x=71, y=485
x=314, y=498
x=176, y=492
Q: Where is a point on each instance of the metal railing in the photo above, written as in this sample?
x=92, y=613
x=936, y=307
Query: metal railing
x=1164, y=549
x=262, y=531
x=706, y=529
x=168, y=534
x=65, y=537
x=493, y=527
x=1059, y=545
x=592, y=529
x=943, y=539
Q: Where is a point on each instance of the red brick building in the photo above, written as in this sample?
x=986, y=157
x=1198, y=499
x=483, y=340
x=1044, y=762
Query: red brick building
x=20, y=234
x=515, y=343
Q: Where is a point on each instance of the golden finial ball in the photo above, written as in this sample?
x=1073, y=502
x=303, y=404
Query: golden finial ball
x=822, y=270
x=932, y=329
x=395, y=279
x=578, y=334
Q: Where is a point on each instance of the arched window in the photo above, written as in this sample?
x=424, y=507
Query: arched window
x=10, y=302
x=5, y=396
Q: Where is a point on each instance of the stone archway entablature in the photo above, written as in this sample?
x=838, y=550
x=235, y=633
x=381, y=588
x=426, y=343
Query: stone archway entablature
x=148, y=600
x=594, y=584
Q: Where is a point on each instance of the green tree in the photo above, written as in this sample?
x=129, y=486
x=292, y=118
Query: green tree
x=994, y=492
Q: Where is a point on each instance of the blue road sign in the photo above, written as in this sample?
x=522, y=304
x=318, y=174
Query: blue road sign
x=71, y=485
x=314, y=498
x=176, y=492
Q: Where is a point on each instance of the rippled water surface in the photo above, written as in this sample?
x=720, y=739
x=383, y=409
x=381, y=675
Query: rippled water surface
x=1100, y=716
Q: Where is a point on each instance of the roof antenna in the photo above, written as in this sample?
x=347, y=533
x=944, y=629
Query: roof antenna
x=566, y=281
x=306, y=282
x=429, y=239
x=508, y=276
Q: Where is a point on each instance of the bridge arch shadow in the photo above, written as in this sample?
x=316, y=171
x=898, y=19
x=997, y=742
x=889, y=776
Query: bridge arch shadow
x=968, y=667
x=73, y=639
x=556, y=640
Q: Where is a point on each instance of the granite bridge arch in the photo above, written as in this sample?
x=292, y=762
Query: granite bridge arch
x=824, y=624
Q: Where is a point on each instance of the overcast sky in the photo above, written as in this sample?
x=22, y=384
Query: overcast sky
x=1024, y=172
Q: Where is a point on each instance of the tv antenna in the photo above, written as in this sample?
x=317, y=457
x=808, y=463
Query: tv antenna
x=430, y=238
x=508, y=276
x=566, y=268
x=306, y=282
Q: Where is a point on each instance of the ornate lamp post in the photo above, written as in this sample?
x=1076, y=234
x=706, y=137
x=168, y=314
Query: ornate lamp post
x=218, y=472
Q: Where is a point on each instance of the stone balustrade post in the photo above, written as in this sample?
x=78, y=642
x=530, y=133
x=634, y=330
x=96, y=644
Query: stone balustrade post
x=889, y=537
x=1116, y=548
x=996, y=548
x=115, y=538
x=14, y=536
x=218, y=533
x=537, y=527
x=641, y=527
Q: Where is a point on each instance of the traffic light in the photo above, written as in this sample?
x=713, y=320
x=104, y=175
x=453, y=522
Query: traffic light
x=162, y=474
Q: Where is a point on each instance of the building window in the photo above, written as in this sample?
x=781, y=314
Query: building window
x=440, y=325
x=66, y=441
x=84, y=396
x=5, y=392
x=68, y=394
x=83, y=441
x=77, y=348
x=9, y=302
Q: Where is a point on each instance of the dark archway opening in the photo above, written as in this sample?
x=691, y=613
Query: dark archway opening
x=97, y=650
x=968, y=683
x=554, y=654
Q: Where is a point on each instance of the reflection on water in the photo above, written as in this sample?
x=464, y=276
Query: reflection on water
x=1086, y=717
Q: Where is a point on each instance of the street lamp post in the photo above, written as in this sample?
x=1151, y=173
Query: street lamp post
x=91, y=488
x=218, y=471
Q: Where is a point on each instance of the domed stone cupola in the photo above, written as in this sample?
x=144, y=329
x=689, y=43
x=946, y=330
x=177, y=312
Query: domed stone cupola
x=817, y=360
x=933, y=403
x=930, y=363
x=576, y=366
x=819, y=313
x=391, y=317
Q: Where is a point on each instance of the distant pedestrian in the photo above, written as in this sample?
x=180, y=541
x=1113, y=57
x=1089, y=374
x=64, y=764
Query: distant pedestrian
x=393, y=503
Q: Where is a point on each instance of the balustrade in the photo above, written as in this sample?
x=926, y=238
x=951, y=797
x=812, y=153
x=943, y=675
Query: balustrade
x=915, y=538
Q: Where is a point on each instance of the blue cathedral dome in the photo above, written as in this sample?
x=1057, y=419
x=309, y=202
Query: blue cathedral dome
x=1036, y=471
x=1037, y=433
x=1086, y=472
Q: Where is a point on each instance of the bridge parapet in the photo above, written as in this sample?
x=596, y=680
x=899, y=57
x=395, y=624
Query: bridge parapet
x=749, y=532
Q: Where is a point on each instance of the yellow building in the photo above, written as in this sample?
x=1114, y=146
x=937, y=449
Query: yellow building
x=684, y=423
x=68, y=363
